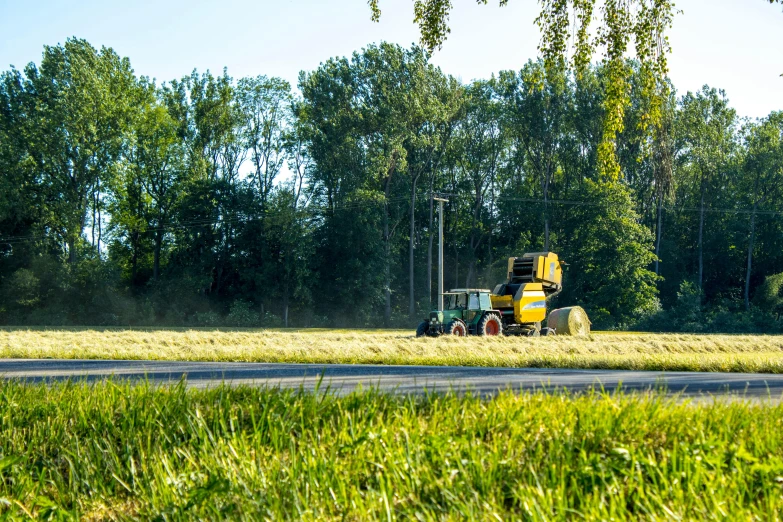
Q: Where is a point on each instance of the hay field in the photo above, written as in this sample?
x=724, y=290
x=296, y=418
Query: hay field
x=602, y=350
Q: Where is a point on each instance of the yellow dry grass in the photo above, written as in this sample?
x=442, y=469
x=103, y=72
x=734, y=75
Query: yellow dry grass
x=641, y=351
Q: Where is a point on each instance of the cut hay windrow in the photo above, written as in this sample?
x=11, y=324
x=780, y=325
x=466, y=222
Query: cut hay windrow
x=598, y=350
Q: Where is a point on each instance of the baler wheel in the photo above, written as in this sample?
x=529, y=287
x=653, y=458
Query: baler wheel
x=535, y=331
x=457, y=327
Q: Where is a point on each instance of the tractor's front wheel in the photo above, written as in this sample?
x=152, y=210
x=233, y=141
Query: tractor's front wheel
x=490, y=324
x=456, y=327
x=422, y=329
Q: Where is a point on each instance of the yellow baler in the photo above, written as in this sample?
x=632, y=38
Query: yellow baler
x=521, y=300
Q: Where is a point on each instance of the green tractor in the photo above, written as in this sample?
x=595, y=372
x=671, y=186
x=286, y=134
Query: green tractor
x=466, y=311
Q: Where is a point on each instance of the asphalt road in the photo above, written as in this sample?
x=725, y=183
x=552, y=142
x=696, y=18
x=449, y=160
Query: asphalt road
x=343, y=378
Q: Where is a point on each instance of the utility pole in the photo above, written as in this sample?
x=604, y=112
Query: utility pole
x=440, y=201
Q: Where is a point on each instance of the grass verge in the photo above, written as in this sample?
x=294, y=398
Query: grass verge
x=637, y=351
x=119, y=451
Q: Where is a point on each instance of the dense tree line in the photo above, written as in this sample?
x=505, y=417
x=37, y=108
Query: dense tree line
x=208, y=200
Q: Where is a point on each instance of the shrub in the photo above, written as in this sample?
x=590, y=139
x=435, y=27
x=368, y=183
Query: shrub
x=689, y=315
x=241, y=315
x=688, y=310
x=207, y=319
x=22, y=289
x=271, y=320
x=769, y=296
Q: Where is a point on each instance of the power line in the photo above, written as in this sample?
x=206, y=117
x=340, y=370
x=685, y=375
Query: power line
x=357, y=205
x=665, y=207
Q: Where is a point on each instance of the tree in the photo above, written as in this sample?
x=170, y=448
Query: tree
x=338, y=241
x=84, y=101
x=641, y=22
x=290, y=241
x=154, y=177
x=209, y=124
x=609, y=253
x=265, y=104
x=22, y=201
x=764, y=177
x=350, y=239
x=480, y=153
x=707, y=136
x=433, y=104
x=539, y=105
x=662, y=173
x=770, y=294
x=378, y=123
x=384, y=94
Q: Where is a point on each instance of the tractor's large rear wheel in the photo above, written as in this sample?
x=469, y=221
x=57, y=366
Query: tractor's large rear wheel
x=490, y=324
x=457, y=327
x=422, y=329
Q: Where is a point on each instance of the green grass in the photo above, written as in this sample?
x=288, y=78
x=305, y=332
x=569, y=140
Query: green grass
x=118, y=451
x=604, y=350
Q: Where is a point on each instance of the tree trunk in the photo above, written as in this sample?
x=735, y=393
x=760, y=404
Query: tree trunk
x=218, y=278
x=386, y=269
x=94, y=205
x=135, y=257
x=387, y=252
x=546, y=211
x=456, y=266
x=471, y=273
x=490, y=232
x=490, y=260
x=156, y=254
x=285, y=303
x=429, y=251
x=71, y=250
x=658, y=235
x=136, y=237
x=701, y=241
x=751, y=237
x=476, y=238
x=411, y=259
x=546, y=230
x=100, y=231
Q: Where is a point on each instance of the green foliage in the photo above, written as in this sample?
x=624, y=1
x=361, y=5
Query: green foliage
x=80, y=104
x=210, y=201
x=241, y=314
x=688, y=310
x=23, y=289
x=271, y=320
x=207, y=319
x=769, y=296
x=690, y=315
x=609, y=253
x=643, y=23
x=113, y=450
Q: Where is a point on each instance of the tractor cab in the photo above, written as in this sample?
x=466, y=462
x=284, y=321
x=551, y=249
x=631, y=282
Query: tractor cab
x=466, y=311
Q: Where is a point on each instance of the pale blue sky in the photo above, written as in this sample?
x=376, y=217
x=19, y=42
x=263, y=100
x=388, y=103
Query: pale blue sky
x=736, y=45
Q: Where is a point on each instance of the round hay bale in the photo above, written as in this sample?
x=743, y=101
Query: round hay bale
x=569, y=321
